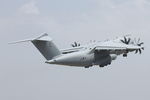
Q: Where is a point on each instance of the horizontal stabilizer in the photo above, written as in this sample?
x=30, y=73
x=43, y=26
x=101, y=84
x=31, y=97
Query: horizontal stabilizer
x=28, y=40
x=43, y=37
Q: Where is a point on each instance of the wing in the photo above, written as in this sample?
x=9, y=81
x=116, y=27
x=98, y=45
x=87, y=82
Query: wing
x=70, y=50
x=116, y=48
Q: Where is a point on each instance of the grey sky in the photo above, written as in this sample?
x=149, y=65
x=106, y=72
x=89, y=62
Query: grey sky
x=25, y=76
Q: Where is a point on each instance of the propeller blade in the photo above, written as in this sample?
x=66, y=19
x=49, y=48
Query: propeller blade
x=138, y=40
x=141, y=43
x=129, y=40
x=122, y=41
x=125, y=39
x=136, y=51
x=75, y=43
x=140, y=51
x=72, y=45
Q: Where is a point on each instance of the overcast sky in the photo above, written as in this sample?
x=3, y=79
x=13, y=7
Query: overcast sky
x=25, y=76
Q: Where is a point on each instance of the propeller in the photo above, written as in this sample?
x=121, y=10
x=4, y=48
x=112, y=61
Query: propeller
x=126, y=40
x=75, y=44
x=138, y=43
x=135, y=42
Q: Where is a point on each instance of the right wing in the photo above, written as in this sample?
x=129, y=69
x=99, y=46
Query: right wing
x=116, y=48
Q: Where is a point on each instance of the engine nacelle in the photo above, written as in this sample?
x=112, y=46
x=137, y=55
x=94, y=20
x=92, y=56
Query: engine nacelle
x=113, y=56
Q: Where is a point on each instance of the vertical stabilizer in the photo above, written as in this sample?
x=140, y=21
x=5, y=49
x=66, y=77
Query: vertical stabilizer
x=46, y=47
x=44, y=44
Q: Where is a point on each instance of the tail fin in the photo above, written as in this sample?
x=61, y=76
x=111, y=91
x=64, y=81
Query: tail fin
x=45, y=45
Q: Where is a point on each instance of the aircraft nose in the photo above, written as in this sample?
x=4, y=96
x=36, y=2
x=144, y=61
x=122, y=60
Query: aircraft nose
x=51, y=61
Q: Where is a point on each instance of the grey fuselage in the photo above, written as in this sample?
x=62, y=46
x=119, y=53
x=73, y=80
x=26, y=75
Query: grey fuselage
x=82, y=58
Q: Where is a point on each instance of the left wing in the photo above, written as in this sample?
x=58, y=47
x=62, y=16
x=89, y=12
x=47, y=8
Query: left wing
x=71, y=50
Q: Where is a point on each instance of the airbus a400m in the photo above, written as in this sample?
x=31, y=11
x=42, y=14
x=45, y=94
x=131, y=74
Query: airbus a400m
x=95, y=53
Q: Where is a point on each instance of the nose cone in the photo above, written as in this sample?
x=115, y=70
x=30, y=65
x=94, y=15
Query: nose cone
x=51, y=61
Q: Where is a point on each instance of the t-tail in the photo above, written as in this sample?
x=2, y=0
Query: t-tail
x=45, y=45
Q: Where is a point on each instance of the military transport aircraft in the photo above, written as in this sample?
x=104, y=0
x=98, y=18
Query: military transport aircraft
x=95, y=53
